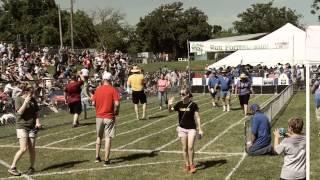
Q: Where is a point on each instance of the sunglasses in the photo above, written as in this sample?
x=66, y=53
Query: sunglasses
x=182, y=94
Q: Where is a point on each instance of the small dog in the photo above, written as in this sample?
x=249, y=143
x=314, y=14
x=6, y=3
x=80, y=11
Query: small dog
x=7, y=119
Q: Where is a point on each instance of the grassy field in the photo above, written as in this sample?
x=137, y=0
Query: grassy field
x=179, y=65
x=149, y=149
x=314, y=142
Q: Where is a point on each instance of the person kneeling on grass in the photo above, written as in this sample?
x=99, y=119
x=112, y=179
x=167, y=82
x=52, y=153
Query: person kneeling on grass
x=261, y=133
x=293, y=146
x=189, y=123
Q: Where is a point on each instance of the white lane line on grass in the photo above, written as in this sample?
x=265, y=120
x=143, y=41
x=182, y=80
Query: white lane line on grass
x=226, y=130
x=129, y=150
x=83, y=134
x=221, y=134
x=177, y=139
x=136, y=129
x=145, y=137
x=158, y=112
x=75, y=137
x=175, y=125
x=8, y=166
x=157, y=107
x=117, y=167
x=236, y=167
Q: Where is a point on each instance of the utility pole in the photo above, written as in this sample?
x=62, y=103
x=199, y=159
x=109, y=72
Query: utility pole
x=60, y=27
x=71, y=25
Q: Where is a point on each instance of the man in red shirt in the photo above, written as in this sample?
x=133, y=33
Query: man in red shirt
x=72, y=94
x=107, y=102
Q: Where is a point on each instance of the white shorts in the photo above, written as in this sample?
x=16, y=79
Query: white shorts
x=22, y=133
x=105, y=126
x=182, y=132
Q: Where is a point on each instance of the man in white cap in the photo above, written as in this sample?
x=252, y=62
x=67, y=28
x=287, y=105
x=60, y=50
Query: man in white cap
x=107, y=102
x=136, y=83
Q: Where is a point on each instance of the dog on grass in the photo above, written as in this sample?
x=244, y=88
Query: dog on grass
x=8, y=118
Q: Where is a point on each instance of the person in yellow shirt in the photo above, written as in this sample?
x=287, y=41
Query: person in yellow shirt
x=136, y=83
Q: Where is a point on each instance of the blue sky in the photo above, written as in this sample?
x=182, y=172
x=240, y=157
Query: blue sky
x=220, y=12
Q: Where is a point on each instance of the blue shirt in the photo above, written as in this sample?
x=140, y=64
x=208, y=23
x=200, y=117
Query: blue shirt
x=213, y=81
x=225, y=83
x=261, y=129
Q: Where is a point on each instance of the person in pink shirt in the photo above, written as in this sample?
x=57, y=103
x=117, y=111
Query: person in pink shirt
x=162, y=86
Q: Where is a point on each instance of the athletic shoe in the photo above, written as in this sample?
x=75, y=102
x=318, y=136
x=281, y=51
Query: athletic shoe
x=14, y=171
x=186, y=168
x=98, y=159
x=30, y=171
x=193, y=169
x=106, y=163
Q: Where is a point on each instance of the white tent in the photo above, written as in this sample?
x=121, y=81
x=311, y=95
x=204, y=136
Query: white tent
x=293, y=53
x=313, y=45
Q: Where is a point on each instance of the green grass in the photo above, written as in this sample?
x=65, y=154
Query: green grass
x=179, y=65
x=135, y=164
x=153, y=67
x=314, y=142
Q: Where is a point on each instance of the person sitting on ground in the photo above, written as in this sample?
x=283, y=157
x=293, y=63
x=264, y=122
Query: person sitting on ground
x=260, y=143
x=293, y=146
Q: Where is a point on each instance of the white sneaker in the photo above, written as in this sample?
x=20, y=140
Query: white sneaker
x=228, y=108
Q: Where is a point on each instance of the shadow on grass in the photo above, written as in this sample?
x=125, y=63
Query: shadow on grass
x=64, y=165
x=207, y=164
x=236, y=108
x=155, y=117
x=132, y=157
x=87, y=124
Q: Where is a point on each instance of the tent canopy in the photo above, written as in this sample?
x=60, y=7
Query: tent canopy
x=294, y=53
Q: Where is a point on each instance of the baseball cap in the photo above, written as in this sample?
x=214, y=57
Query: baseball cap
x=107, y=76
x=255, y=108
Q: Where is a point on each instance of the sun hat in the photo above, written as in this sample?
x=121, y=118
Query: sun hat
x=242, y=76
x=135, y=69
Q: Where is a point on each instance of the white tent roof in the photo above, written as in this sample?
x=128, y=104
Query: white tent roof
x=293, y=54
x=238, y=38
x=313, y=45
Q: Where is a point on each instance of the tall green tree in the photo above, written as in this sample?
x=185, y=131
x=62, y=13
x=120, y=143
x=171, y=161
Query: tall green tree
x=316, y=8
x=265, y=18
x=37, y=21
x=168, y=27
x=113, y=33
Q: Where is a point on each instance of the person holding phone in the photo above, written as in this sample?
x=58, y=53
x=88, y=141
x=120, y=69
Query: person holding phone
x=293, y=147
x=189, y=126
x=27, y=125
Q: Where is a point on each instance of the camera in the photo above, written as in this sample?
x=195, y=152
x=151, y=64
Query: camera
x=282, y=132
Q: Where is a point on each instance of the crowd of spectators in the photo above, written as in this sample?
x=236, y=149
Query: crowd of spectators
x=48, y=72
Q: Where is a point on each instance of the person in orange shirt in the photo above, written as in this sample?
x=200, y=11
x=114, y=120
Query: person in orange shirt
x=107, y=102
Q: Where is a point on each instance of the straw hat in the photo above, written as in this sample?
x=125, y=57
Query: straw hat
x=242, y=76
x=135, y=69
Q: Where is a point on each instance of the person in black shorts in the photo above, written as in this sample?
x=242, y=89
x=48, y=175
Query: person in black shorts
x=136, y=83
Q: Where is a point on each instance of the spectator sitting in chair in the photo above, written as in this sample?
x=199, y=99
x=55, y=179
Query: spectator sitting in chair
x=260, y=143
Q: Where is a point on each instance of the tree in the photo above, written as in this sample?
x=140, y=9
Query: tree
x=168, y=27
x=112, y=31
x=28, y=19
x=83, y=29
x=315, y=8
x=265, y=18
